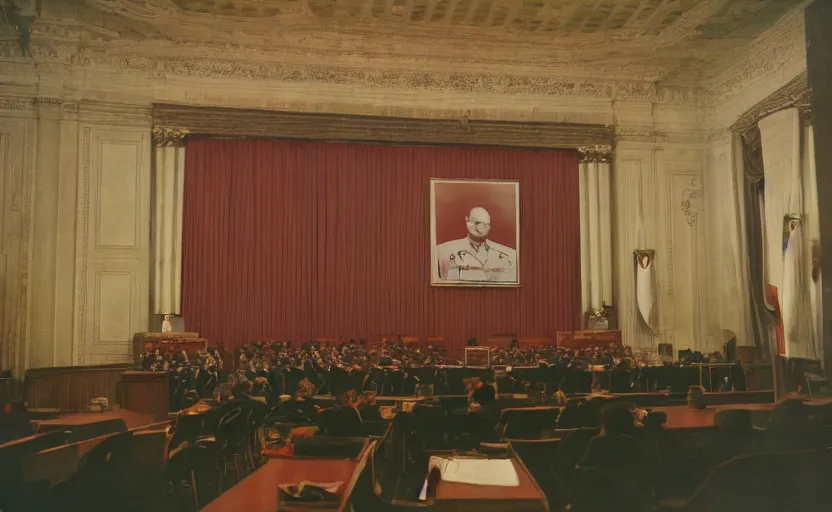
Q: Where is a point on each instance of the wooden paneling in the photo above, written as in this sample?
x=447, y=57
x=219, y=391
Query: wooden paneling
x=72, y=387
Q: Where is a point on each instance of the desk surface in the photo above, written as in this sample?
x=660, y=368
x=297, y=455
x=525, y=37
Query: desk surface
x=258, y=492
x=131, y=419
x=527, y=490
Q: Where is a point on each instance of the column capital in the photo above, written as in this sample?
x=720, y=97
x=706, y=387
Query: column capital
x=596, y=153
x=168, y=136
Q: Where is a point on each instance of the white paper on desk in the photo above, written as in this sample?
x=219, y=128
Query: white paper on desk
x=497, y=472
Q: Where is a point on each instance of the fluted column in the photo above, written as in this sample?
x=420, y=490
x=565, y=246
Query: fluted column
x=170, y=175
x=596, y=235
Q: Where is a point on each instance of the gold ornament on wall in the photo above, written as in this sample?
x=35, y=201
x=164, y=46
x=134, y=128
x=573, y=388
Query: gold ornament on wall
x=169, y=137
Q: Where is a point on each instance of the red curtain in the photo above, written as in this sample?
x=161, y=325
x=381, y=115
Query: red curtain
x=289, y=240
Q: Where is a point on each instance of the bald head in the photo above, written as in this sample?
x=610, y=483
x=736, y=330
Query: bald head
x=479, y=223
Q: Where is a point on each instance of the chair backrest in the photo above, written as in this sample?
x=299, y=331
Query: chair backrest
x=232, y=426
x=528, y=422
x=665, y=351
x=340, y=422
x=101, y=475
x=760, y=481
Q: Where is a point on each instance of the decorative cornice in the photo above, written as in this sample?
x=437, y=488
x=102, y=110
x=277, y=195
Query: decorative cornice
x=596, y=153
x=794, y=94
x=205, y=61
x=15, y=103
x=780, y=46
x=169, y=137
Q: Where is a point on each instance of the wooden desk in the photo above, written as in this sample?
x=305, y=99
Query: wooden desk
x=525, y=497
x=258, y=492
x=146, y=392
x=87, y=425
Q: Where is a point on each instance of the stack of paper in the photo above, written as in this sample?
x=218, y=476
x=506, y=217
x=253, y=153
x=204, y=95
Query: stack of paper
x=476, y=471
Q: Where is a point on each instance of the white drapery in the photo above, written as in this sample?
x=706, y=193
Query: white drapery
x=170, y=176
x=790, y=196
x=645, y=287
x=596, y=236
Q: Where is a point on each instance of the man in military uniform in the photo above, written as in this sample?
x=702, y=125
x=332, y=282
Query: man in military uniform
x=475, y=257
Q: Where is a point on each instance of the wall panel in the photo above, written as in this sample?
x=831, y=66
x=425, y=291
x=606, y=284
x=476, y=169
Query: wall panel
x=17, y=142
x=113, y=248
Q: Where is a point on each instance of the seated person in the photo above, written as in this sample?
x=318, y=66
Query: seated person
x=14, y=422
x=368, y=409
x=298, y=409
x=615, y=460
x=790, y=427
x=482, y=393
x=343, y=420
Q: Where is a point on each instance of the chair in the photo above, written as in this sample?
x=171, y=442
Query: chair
x=229, y=440
x=764, y=482
x=100, y=480
x=539, y=455
x=666, y=352
x=528, y=422
x=340, y=421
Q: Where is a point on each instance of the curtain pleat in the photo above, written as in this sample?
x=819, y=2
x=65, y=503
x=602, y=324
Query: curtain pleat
x=762, y=319
x=291, y=240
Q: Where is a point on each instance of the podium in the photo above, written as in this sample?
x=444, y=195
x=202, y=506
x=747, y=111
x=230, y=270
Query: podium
x=145, y=342
x=145, y=392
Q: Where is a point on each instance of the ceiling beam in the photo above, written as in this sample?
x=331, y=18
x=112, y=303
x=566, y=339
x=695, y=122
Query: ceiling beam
x=658, y=14
x=408, y=10
x=471, y=10
x=496, y=4
x=615, y=11
x=588, y=16
x=549, y=13
x=429, y=10
x=634, y=17
x=367, y=9
x=512, y=12
x=449, y=14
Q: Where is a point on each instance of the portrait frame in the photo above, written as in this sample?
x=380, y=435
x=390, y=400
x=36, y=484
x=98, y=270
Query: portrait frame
x=498, y=194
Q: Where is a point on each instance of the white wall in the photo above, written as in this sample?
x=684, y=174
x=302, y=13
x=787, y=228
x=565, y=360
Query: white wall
x=775, y=59
x=76, y=189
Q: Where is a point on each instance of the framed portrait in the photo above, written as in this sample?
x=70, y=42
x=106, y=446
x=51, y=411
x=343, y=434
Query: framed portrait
x=474, y=232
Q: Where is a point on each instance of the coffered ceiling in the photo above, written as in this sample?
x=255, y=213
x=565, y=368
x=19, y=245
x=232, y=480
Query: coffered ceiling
x=670, y=42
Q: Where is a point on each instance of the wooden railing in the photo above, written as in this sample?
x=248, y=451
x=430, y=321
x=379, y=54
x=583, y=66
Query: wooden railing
x=71, y=388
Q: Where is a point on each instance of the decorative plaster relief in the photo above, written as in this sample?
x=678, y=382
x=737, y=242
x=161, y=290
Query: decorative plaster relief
x=692, y=201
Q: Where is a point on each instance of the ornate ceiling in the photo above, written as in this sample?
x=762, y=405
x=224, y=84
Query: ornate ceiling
x=676, y=43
